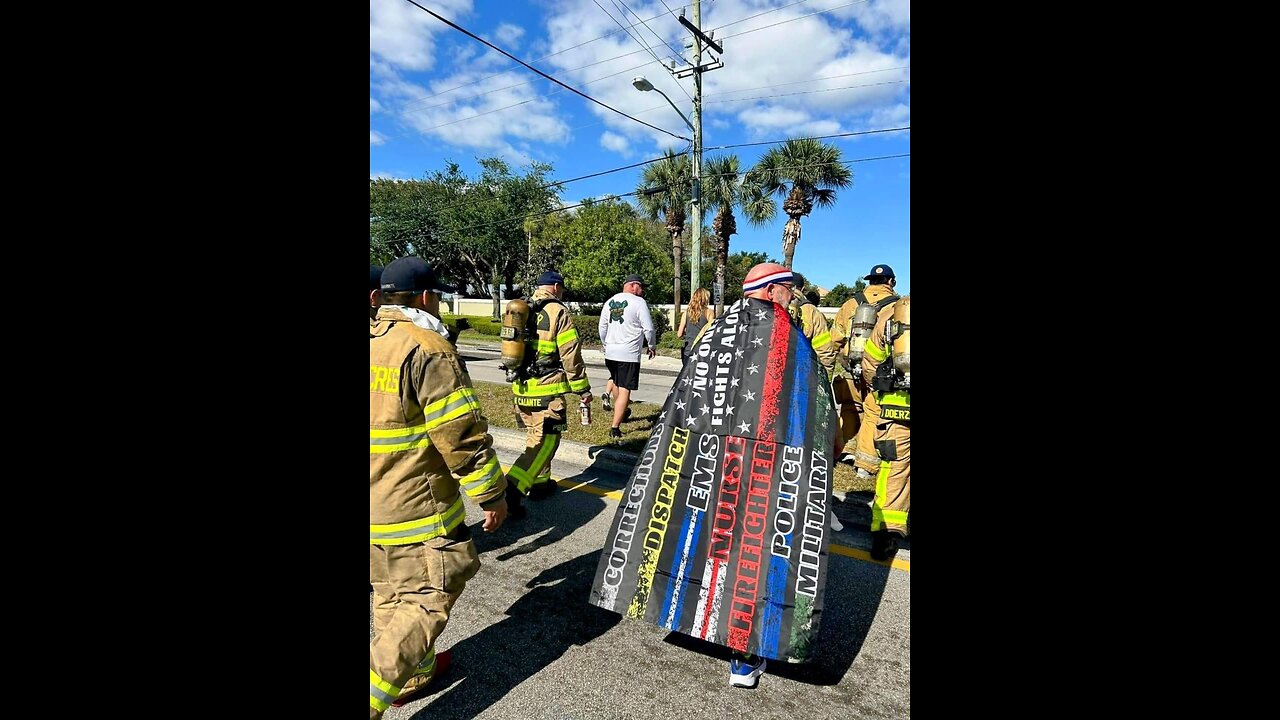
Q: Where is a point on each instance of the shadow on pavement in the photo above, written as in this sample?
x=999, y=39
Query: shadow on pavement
x=851, y=598
x=528, y=639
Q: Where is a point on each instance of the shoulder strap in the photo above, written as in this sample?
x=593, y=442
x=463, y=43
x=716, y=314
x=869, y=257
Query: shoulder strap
x=885, y=301
x=860, y=296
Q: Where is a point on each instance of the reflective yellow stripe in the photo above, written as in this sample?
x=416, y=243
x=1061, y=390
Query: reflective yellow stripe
x=580, y=385
x=882, y=490
x=875, y=352
x=455, y=404
x=568, y=336
x=428, y=664
x=823, y=339
x=896, y=517
x=533, y=388
x=546, y=347
x=548, y=442
x=523, y=482
x=381, y=692
x=482, y=480
x=414, y=531
x=396, y=439
x=897, y=399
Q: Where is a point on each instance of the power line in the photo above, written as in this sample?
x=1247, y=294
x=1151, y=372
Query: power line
x=807, y=92
x=819, y=137
x=544, y=57
x=463, y=30
x=783, y=22
x=633, y=37
x=800, y=82
x=662, y=40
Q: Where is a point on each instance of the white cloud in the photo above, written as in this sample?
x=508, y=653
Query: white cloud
x=508, y=35
x=380, y=175
x=404, y=35
x=880, y=15
x=615, y=142
x=764, y=62
x=374, y=106
x=376, y=138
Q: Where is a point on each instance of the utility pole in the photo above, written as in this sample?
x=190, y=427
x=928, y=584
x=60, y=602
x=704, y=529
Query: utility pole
x=695, y=28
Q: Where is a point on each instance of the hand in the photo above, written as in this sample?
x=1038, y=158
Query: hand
x=586, y=397
x=494, y=518
x=651, y=352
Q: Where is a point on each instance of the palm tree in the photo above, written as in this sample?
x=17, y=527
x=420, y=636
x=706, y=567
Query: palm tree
x=722, y=189
x=814, y=171
x=665, y=189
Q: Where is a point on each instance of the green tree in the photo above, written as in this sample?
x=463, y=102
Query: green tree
x=601, y=243
x=665, y=188
x=806, y=172
x=471, y=229
x=736, y=269
x=722, y=190
x=840, y=294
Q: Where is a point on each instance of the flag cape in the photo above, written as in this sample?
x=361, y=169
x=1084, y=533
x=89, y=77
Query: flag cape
x=722, y=530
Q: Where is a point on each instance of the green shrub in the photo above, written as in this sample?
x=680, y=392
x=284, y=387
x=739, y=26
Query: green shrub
x=588, y=328
x=670, y=340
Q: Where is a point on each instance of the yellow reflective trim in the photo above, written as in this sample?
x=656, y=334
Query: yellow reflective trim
x=822, y=339
x=567, y=336
x=421, y=442
x=402, y=533
x=882, y=491
x=451, y=415
x=898, y=399
x=482, y=480
x=533, y=388
x=548, y=442
x=381, y=692
x=875, y=352
x=897, y=517
x=580, y=385
x=458, y=394
x=523, y=481
x=546, y=347
x=397, y=432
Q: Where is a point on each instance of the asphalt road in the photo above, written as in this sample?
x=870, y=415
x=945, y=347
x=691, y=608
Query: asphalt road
x=482, y=365
x=528, y=645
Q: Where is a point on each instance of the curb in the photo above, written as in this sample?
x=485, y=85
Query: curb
x=599, y=456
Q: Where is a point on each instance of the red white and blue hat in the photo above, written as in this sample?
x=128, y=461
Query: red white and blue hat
x=766, y=274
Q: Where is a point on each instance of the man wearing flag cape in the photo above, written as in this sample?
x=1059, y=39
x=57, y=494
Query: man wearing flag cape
x=722, y=530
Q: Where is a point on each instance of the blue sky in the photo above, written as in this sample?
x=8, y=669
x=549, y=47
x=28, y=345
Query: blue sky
x=418, y=120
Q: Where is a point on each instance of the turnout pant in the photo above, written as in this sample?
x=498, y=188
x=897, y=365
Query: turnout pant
x=414, y=588
x=542, y=436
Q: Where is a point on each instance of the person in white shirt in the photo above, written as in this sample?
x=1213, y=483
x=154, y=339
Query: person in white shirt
x=625, y=328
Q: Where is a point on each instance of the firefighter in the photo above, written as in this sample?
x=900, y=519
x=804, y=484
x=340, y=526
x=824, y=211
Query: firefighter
x=888, y=411
x=428, y=443
x=849, y=389
x=556, y=368
x=813, y=325
x=375, y=290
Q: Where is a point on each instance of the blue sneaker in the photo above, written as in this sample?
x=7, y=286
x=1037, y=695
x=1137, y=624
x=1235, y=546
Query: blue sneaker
x=743, y=675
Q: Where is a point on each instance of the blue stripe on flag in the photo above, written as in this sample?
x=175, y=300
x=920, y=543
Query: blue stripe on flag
x=799, y=410
x=678, y=586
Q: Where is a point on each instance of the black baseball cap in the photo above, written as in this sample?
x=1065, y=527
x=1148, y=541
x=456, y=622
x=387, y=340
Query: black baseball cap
x=633, y=279
x=375, y=277
x=879, y=271
x=412, y=274
x=550, y=277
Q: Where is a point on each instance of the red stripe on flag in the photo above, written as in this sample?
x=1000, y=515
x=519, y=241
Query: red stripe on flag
x=773, y=371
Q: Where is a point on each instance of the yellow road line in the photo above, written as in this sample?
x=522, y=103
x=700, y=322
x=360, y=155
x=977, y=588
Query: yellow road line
x=854, y=553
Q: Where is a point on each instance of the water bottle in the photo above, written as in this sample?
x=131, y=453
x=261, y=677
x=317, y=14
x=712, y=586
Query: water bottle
x=584, y=408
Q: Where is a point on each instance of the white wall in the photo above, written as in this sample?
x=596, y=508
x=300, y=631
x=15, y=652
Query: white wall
x=484, y=308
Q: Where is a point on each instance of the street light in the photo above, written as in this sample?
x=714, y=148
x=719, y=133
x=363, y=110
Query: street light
x=695, y=261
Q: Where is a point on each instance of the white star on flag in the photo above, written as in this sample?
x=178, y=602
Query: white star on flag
x=680, y=404
x=757, y=341
x=750, y=395
x=735, y=380
x=737, y=353
x=730, y=410
x=686, y=381
x=745, y=427
x=762, y=314
x=689, y=421
x=753, y=368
